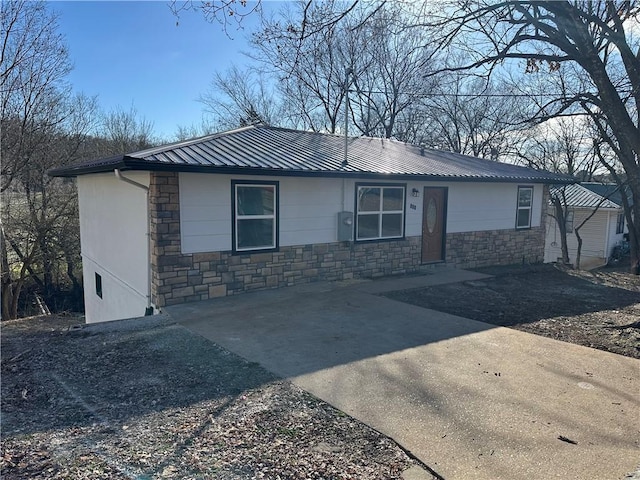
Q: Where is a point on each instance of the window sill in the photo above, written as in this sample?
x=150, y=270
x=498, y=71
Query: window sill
x=255, y=250
x=379, y=240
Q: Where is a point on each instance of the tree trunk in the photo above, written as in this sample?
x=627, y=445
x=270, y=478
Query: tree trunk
x=561, y=220
x=634, y=238
x=578, y=253
x=15, y=297
x=6, y=281
x=632, y=214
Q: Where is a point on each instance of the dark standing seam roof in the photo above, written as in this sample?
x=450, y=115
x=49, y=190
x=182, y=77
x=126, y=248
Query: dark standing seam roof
x=610, y=190
x=267, y=150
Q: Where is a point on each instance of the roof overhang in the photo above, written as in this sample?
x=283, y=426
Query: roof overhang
x=125, y=163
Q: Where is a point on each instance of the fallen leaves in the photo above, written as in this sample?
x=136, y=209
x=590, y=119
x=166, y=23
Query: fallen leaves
x=165, y=404
x=597, y=309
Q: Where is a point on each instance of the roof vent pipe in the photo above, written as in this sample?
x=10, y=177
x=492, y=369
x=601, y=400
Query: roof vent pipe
x=348, y=71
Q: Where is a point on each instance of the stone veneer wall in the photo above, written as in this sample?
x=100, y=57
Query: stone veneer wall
x=495, y=247
x=499, y=247
x=179, y=278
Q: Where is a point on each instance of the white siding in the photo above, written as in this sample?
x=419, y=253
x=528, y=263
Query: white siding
x=614, y=238
x=205, y=213
x=113, y=228
x=596, y=247
x=475, y=207
x=309, y=207
x=308, y=210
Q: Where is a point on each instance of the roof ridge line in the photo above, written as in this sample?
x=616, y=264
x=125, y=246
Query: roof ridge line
x=185, y=143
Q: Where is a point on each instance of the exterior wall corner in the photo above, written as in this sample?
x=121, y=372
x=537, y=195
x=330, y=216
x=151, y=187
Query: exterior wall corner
x=164, y=210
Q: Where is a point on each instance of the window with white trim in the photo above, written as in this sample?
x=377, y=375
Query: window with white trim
x=380, y=212
x=568, y=221
x=255, y=208
x=525, y=203
x=620, y=223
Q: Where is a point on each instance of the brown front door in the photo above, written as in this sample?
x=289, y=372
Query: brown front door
x=434, y=207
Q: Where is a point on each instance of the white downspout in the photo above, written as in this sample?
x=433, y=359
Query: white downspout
x=149, y=310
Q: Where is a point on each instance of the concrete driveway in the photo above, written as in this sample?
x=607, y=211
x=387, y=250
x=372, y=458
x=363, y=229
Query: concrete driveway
x=471, y=400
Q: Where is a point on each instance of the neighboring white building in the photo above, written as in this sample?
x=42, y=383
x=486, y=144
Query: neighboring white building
x=262, y=207
x=600, y=234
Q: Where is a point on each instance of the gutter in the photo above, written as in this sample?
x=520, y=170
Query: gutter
x=149, y=309
x=132, y=164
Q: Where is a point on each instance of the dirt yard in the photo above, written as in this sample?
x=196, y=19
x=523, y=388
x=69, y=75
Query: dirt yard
x=599, y=309
x=160, y=402
x=156, y=402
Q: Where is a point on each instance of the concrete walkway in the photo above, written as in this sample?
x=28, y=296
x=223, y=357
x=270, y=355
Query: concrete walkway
x=471, y=400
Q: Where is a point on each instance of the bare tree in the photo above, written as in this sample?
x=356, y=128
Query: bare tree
x=42, y=125
x=580, y=38
x=34, y=63
x=560, y=214
x=184, y=132
x=228, y=13
x=367, y=56
x=473, y=116
x=309, y=73
x=124, y=131
x=40, y=214
x=563, y=145
x=242, y=97
x=390, y=74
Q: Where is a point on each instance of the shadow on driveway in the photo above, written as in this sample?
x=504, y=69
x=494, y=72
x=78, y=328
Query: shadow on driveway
x=513, y=299
x=469, y=399
x=312, y=327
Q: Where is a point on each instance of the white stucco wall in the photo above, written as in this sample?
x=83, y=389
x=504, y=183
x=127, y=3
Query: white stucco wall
x=113, y=236
x=598, y=238
x=309, y=207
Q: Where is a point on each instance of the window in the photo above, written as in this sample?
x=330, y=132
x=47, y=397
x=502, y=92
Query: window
x=255, y=210
x=620, y=223
x=380, y=212
x=98, y=284
x=568, y=221
x=525, y=201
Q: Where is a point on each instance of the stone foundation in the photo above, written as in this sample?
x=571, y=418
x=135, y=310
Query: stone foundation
x=201, y=276
x=179, y=278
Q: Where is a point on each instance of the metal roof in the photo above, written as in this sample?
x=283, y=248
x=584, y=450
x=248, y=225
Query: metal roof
x=578, y=196
x=610, y=190
x=264, y=150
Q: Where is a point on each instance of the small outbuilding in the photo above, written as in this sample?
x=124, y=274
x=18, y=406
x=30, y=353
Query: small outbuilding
x=263, y=207
x=600, y=220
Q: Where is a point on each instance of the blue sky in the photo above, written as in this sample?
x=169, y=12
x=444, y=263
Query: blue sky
x=134, y=53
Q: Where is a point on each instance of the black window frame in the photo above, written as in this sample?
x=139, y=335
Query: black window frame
x=234, y=215
x=381, y=185
x=98, y=282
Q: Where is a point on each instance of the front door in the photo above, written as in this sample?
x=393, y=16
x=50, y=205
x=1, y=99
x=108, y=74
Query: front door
x=434, y=207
